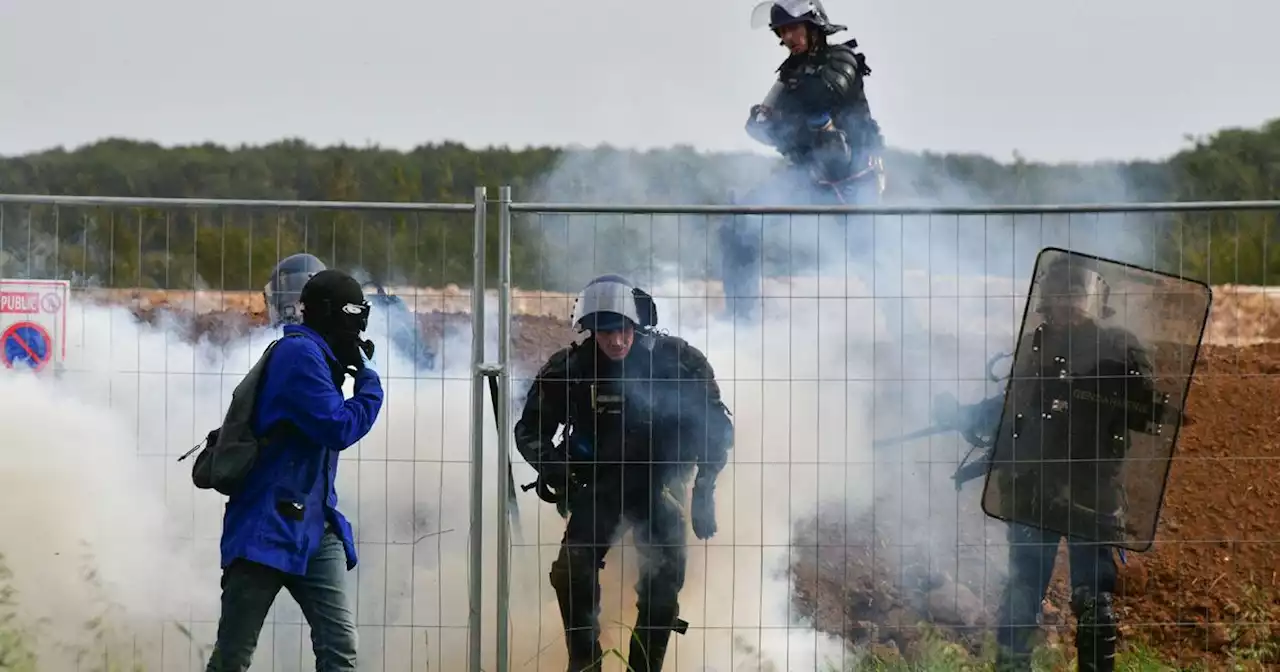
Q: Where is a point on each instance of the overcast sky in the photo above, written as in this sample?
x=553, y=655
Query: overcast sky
x=1079, y=80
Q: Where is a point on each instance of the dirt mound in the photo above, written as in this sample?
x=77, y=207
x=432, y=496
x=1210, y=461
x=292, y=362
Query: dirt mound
x=1208, y=590
x=536, y=336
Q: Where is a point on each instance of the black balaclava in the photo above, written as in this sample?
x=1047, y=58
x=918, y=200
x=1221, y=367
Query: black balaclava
x=333, y=305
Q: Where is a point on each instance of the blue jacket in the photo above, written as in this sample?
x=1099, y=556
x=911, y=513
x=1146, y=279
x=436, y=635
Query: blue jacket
x=278, y=517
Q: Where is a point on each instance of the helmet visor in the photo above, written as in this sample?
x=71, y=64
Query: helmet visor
x=762, y=16
x=605, y=297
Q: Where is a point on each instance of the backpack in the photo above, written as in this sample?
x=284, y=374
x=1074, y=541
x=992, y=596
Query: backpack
x=231, y=450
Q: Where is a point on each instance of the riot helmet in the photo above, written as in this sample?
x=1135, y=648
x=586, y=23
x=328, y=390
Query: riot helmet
x=1070, y=288
x=283, y=290
x=611, y=302
x=775, y=14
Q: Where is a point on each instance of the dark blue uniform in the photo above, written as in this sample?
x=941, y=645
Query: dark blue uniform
x=819, y=119
x=635, y=429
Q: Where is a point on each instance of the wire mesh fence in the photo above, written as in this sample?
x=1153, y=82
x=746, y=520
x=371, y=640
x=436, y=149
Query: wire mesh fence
x=836, y=537
x=162, y=311
x=844, y=534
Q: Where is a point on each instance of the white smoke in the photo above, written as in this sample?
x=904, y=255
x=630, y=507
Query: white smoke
x=866, y=320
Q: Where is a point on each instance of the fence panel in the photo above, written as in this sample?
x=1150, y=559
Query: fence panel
x=862, y=317
x=160, y=305
x=838, y=541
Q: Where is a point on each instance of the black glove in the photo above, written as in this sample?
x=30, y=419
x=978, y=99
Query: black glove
x=555, y=476
x=704, y=510
x=367, y=346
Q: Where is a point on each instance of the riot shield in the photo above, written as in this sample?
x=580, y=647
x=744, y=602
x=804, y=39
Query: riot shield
x=1095, y=399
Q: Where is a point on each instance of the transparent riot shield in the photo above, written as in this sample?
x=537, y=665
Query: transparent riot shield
x=1095, y=399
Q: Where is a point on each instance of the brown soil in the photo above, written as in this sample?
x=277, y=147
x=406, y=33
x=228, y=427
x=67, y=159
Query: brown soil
x=1208, y=587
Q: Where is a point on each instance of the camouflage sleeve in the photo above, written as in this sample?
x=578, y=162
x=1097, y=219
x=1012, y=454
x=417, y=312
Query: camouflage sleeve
x=546, y=407
x=709, y=426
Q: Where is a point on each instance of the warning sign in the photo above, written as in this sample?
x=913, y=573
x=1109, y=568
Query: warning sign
x=25, y=344
x=33, y=322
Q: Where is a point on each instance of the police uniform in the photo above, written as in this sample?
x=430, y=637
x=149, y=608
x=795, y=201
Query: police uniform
x=635, y=430
x=818, y=117
x=1058, y=458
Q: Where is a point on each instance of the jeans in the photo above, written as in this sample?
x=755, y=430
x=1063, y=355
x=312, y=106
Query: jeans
x=249, y=589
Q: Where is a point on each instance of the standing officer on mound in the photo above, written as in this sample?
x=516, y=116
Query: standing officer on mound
x=818, y=118
x=1081, y=398
x=639, y=409
x=282, y=527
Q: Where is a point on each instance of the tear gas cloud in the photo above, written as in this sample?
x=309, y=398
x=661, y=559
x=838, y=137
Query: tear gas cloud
x=866, y=319
x=852, y=346
x=91, y=483
x=848, y=350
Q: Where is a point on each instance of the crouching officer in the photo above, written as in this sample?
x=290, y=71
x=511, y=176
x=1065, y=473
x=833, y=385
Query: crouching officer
x=640, y=409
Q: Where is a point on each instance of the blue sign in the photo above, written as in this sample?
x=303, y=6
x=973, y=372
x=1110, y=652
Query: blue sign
x=27, y=344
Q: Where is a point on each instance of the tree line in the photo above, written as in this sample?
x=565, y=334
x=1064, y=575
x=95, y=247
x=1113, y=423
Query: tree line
x=234, y=248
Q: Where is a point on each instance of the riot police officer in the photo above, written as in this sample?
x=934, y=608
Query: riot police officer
x=1078, y=390
x=818, y=118
x=640, y=409
x=284, y=289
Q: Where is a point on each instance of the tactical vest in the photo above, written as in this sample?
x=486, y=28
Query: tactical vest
x=611, y=409
x=1067, y=433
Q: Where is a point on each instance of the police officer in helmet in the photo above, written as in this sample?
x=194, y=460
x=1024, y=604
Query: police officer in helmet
x=283, y=291
x=818, y=118
x=641, y=412
x=1060, y=468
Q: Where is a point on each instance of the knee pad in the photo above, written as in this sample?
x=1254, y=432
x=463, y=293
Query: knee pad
x=1093, y=609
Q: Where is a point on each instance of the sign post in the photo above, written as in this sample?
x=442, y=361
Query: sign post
x=33, y=323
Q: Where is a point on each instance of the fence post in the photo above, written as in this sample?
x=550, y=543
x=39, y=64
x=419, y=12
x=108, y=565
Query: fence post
x=504, y=423
x=475, y=600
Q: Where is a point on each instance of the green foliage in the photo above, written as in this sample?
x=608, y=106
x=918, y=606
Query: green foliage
x=233, y=248
x=16, y=654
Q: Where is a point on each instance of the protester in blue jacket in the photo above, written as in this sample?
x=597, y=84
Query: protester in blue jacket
x=282, y=528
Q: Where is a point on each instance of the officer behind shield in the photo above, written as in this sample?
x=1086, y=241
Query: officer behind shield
x=817, y=116
x=1069, y=429
x=639, y=409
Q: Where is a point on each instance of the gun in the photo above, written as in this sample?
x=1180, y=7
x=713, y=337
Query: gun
x=976, y=423
x=577, y=452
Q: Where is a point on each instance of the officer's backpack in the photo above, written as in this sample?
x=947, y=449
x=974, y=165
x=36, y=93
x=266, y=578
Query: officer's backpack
x=231, y=450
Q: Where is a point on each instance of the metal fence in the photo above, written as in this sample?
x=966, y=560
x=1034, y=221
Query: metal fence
x=868, y=313
x=162, y=320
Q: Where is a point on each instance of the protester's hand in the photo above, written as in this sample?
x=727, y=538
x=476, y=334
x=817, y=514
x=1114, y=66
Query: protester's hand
x=366, y=357
x=704, y=511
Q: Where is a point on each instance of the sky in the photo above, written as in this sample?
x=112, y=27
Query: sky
x=1064, y=81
